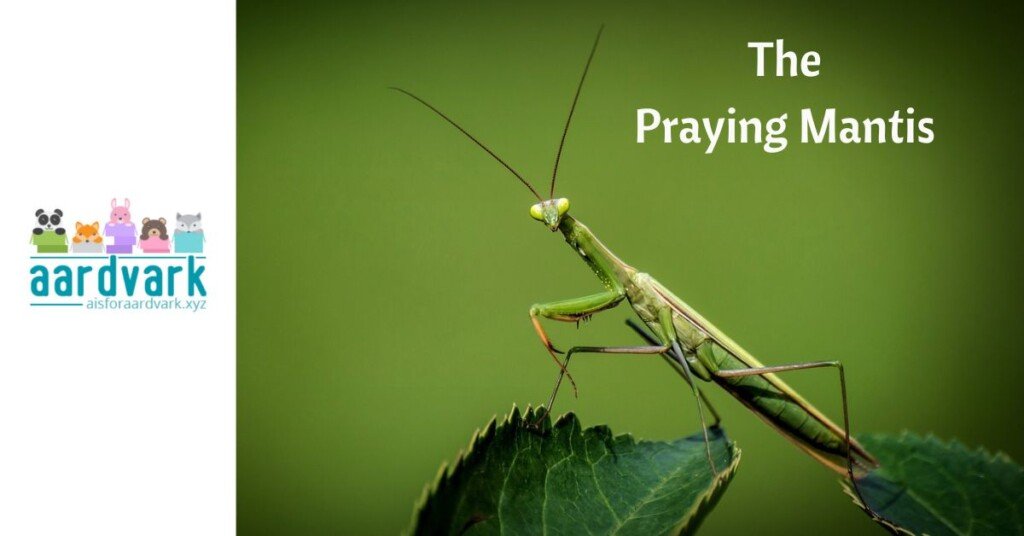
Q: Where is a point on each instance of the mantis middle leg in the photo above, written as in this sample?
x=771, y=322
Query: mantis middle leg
x=670, y=346
x=628, y=350
x=673, y=359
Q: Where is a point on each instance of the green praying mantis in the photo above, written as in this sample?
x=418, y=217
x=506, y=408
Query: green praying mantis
x=693, y=346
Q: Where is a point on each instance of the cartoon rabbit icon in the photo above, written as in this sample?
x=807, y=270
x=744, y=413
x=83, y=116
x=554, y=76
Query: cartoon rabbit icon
x=120, y=228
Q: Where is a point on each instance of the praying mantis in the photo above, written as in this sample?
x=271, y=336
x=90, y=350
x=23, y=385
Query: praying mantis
x=672, y=329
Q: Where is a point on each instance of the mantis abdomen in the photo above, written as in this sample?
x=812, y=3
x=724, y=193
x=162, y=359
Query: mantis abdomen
x=779, y=406
x=713, y=356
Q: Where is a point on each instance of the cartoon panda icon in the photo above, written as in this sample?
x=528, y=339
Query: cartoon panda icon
x=49, y=236
x=49, y=221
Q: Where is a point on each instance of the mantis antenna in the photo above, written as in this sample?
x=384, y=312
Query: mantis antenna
x=478, y=142
x=576, y=97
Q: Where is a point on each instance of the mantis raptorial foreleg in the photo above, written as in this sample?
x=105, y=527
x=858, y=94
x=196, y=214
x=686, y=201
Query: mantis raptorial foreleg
x=571, y=310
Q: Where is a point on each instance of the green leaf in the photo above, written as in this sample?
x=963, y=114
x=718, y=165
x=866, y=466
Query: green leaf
x=562, y=479
x=925, y=486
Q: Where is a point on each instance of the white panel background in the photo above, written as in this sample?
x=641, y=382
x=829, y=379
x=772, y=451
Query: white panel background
x=103, y=431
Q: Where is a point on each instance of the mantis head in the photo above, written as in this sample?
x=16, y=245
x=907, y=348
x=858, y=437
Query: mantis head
x=550, y=212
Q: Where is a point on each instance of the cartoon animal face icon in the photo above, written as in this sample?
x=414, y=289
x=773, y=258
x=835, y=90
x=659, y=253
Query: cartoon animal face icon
x=87, y=233
x=190, y=223
x=120, y=213
x=154, y=228
x=48, y=221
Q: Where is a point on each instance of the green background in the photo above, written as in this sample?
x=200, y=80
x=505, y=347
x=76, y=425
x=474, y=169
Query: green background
x=386, y=265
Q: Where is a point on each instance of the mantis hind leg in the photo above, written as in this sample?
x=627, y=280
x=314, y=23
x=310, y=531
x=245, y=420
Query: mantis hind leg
x=759, y=371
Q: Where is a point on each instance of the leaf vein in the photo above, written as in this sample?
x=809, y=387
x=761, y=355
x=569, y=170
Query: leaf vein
x=653, y=491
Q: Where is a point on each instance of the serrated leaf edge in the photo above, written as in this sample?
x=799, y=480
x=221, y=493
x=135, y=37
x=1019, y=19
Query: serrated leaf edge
x=481, y=435
x=708, y=499
x=998, y=457
x=446, y=471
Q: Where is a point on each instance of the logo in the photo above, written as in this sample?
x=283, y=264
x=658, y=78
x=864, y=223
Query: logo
x=117, y=265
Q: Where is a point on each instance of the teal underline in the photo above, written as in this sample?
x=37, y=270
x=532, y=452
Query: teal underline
x=55, y=304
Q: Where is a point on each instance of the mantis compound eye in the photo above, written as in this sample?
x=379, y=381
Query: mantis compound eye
x=537, y=212
x=562, y=204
